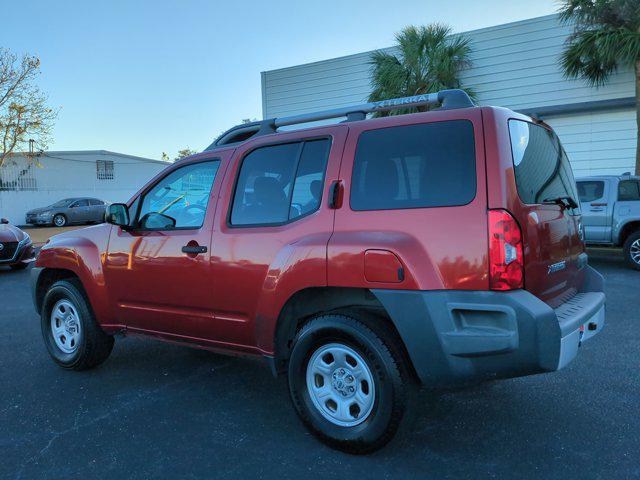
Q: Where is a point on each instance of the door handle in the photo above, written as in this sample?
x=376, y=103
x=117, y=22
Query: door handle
x=335, y=195
x=596, y=209
x=194, y=249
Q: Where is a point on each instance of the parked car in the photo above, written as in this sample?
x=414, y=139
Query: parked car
x=16, y=250
x=356, y=258
x=79, y=210
x=611, y=213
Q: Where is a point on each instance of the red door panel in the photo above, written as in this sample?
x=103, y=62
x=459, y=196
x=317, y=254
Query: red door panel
x=255, y=269
x=439, y=247
x=155, y=286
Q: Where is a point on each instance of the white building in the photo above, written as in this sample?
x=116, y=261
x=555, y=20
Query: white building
x=52, y=176
x=515, y=65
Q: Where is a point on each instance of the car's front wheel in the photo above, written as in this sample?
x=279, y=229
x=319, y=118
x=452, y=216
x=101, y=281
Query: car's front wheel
x=631, y=249
x=71, y=334
x=59, y=220
x=347, y=384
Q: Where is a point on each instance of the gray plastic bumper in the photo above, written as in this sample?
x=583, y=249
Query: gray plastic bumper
x=454, y=336
x=33, y=280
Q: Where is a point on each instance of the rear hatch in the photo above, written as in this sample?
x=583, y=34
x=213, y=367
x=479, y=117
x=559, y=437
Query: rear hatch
x=549, y=213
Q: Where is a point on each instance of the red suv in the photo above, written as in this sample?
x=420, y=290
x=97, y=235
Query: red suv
x=357, y=258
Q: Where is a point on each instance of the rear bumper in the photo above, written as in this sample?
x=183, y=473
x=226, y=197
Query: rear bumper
x=459, y=336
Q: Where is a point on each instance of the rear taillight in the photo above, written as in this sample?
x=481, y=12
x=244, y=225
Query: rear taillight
x=506, y=260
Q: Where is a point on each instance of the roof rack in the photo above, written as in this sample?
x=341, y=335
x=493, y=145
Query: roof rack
x=448, y=100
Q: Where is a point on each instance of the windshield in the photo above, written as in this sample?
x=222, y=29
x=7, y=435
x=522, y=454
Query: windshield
x=62, y=203
x=542, y=169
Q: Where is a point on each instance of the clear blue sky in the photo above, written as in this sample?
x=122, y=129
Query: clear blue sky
x=143, y=77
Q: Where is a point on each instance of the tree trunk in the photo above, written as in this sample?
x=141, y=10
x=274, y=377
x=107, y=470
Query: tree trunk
x=637, y=117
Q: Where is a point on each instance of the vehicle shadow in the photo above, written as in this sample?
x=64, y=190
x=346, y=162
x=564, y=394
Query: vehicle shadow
x=474, y=421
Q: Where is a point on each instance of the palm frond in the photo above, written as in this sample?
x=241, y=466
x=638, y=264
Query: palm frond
x=596, y=54
x=426, y=59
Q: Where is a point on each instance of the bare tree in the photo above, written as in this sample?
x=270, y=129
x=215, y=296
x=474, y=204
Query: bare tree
x=24, y=114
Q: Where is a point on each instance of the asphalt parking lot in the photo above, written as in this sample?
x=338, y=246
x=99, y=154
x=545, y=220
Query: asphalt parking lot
x=155, y=410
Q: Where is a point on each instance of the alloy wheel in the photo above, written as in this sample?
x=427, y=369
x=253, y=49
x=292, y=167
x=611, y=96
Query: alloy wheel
x=634, y=251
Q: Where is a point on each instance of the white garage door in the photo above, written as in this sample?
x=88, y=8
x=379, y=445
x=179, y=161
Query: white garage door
x=599, y=143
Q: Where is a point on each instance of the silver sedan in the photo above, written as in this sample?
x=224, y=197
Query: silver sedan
x=79, y=210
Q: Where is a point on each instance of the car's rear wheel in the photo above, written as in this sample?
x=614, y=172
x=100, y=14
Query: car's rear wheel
x=631, y=250
x=347, y=384
x=71, y=334
x=59, y=220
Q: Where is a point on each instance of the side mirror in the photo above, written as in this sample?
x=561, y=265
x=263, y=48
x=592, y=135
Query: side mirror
x=4, y=221
x=117, y=214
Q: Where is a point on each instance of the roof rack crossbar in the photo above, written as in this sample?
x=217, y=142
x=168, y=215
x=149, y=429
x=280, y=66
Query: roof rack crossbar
x=448, y=99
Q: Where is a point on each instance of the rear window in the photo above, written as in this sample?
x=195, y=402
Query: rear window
x=542, y=169
x=414, y=166
x=590, y=191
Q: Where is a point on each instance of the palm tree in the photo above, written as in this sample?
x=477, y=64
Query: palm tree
x=606, y=37
x=429, y=59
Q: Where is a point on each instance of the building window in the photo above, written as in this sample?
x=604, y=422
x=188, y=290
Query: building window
x=18, y=176
x=104, y=169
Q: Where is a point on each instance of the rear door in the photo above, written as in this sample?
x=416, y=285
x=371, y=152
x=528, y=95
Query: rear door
x=271, y=232
x=414, y=208
x=97, y=210
x=596, y=210
x=554, y=253
x=79, y=211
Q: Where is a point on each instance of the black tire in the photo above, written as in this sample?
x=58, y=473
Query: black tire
x=385, y=366
x=633, y=239
x=94, y=346
x=59, y=220
x=19, y=266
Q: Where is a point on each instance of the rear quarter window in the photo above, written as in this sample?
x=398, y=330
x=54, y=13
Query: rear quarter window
x=415, y=166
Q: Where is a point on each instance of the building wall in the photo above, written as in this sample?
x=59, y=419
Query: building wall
x=514, y=65
x=59, y=175
x=601, y=143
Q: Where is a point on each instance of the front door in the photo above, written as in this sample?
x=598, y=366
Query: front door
x=158, y=270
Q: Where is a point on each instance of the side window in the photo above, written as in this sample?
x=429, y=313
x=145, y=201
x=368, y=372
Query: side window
x=629, y=190
x=590, y=191
x=95, y=202
x=278, y=183
x=414, y=166
x=180, y=199
x=80, y=203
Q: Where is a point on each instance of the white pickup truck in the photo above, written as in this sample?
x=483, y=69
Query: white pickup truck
x=611, y=213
